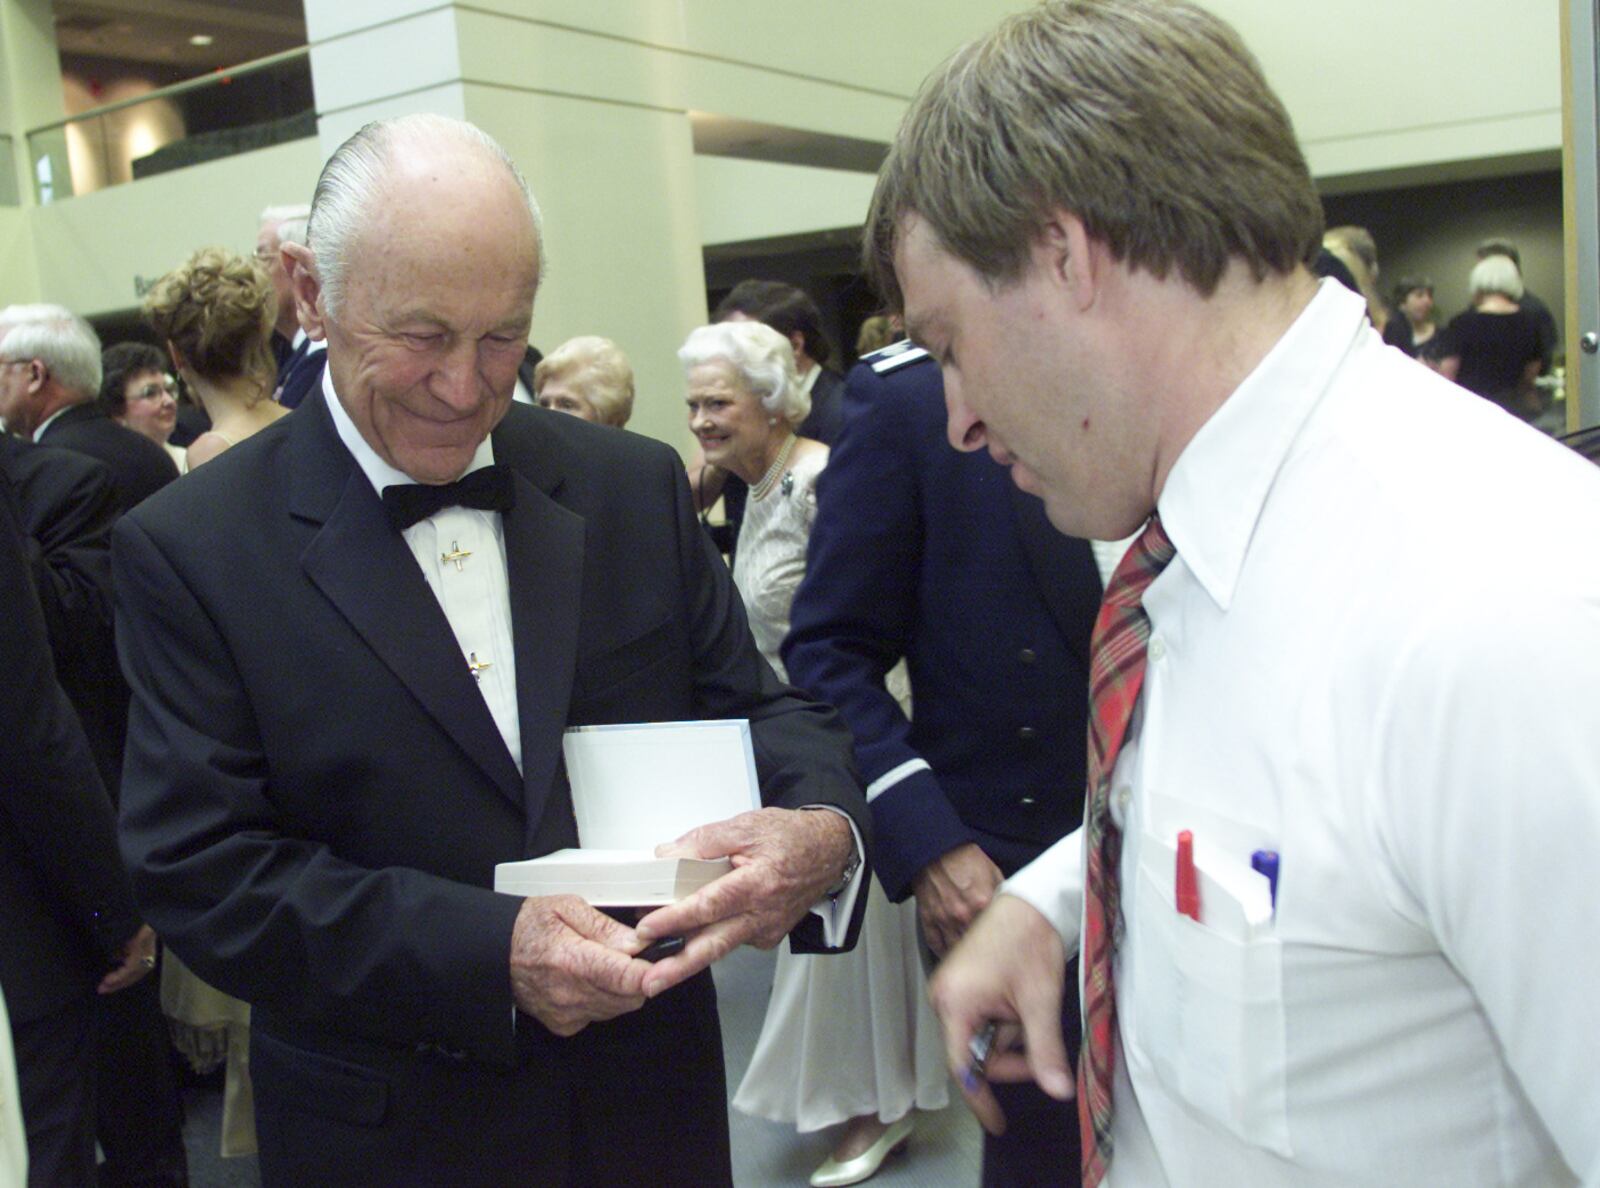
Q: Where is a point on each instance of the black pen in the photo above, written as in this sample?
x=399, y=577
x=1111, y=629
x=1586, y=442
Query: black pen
x=663, y=948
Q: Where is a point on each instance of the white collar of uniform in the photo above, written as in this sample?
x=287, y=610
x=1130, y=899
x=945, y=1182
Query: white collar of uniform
x=810, y=380
x=1216, y=490
x=379, y=473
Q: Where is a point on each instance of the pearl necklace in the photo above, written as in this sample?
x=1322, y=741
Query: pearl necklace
x=770, y=479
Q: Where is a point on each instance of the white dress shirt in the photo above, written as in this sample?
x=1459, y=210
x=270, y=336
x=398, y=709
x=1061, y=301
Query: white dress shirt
x=1376, y=653
x=462, y=554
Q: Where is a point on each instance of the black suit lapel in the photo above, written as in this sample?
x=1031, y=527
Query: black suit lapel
x=364, y=567
x=544, y=564
x=1063, y=569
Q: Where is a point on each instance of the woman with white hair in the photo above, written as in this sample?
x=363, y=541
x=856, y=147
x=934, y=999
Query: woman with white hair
x=849, y=1039
x=1493, y=348
x=745, y=401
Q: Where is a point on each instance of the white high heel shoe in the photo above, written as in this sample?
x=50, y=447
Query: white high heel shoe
x=836, y=1174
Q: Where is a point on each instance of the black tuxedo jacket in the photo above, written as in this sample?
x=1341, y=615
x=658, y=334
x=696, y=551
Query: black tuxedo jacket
x=65, y=904
x=928, y=553
x=139, y=467
x=68, y=504
x=315, y=793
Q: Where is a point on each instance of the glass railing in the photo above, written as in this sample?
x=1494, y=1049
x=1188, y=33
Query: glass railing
x=261, y=103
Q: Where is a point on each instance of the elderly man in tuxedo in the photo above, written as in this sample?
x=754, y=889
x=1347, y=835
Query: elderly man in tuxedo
x=316, y=795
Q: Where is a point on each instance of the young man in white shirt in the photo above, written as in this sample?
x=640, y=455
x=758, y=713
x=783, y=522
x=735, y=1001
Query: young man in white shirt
x=1098, y=220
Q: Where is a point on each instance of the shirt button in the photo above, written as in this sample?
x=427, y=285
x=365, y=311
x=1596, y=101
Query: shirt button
x=1124, y=795
x=1158, y=648
x=1028, y=656
x=1027, y=734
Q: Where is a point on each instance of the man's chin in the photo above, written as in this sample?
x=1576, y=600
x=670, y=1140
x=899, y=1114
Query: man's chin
x=435, y=464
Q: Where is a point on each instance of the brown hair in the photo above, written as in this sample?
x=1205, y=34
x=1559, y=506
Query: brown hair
x=1147, y=119
x=218, y=309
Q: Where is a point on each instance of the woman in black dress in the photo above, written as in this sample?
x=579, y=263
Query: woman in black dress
x=1493, y=348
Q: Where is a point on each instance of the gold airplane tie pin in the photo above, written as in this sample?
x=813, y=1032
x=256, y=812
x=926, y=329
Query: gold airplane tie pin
x=457, y=554
x=476, y=666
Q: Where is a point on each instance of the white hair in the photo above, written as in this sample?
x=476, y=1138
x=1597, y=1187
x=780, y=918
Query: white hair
x=350, y=187
x=1496, y=274
x=59, y=339
x=282, y=214
x=293, y=230
x=762, y=357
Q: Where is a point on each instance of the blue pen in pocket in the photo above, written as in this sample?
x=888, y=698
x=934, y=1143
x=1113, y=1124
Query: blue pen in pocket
x=1265, y=862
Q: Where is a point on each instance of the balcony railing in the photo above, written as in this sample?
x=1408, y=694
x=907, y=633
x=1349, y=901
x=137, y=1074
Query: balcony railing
x=260, y=103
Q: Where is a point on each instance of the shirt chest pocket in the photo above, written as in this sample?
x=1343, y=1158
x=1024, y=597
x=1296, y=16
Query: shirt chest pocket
x=1204, y=1010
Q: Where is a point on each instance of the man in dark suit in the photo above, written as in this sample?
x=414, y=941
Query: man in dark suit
x=67, y=922
x=792, y=313
x=68, y=504
x=49, y=380
x=924, y=552
x=269, y=254
x=301, y=371
x=316, y=796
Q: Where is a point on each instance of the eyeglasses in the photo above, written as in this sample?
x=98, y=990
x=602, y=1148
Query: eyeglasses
x=156, y=389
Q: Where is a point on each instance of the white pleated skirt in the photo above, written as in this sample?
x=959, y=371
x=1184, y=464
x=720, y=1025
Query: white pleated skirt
x=849, y=1034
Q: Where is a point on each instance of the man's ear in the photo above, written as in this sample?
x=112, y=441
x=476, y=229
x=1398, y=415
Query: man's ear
x=1071, y=257
x=300, y=263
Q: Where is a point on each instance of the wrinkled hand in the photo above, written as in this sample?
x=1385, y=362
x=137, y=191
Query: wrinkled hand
x=951, y=891
x=1009, y=967
x=572, y=966
x=137, y=958
x=784, y=861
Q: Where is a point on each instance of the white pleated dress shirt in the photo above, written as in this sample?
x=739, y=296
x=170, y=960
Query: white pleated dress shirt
x=462, y=554
x=1378, y=654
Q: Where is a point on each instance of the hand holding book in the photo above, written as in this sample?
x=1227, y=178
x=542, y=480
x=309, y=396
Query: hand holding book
x=784, y=860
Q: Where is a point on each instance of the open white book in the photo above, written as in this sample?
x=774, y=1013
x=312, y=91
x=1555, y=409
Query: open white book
x=633, y=788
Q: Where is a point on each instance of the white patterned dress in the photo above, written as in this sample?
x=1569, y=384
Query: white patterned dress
x=846, y=1034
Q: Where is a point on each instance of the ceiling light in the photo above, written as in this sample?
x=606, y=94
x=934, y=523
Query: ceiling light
x=201, y=39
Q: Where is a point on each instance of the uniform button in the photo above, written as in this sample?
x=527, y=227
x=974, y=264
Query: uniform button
x=1027, y=734
x=1026, y=802
x=1158, y=648
x=1028, y=656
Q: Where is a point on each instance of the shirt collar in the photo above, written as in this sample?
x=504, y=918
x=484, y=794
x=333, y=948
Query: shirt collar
x=379, y=473
x=809, y=381
x=1216, y=490
x=38, y=434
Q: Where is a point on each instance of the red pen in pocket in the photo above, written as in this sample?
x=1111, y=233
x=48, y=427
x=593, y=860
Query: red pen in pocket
x=1186, y=882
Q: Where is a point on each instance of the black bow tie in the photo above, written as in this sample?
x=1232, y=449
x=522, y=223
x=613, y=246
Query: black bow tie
x=488, y=488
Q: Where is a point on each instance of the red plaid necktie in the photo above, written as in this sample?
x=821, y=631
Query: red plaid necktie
x=1116, y=673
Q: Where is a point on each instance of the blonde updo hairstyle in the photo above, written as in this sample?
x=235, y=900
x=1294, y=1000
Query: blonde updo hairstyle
x=218, y=309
